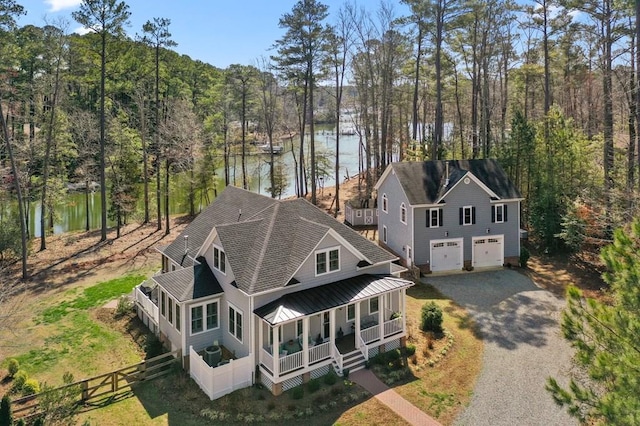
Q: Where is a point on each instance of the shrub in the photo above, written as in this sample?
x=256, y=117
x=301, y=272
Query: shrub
x=313, y=385
x=19, y=380
x=13, y=366
x=297, y=393
x=330, y=378
x=431, y=316
x=394, y=355
x=345, y=374
x=524, y=257
x=30, y=387
x=6, y=416
x=153, y=347
x=411, y=349
x=271, y=405
x=124, y=306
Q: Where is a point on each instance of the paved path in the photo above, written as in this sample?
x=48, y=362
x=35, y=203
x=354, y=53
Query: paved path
x=391, y=399
x=519, y=325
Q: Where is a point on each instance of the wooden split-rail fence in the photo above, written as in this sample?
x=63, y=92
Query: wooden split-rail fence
x=102, y=386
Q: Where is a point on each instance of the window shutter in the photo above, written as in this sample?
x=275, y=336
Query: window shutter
x=493, y=214
x=439, y=217
x=473, y=215
x=428, y=218
x=504, y=213
x=461, y=215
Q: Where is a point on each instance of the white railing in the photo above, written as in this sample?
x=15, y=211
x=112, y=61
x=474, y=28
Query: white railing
x=338, y=357
x=364, y=348
x=392, y=327
x=291, y=362
x=221, y=380
x=147, y=304
x=319, y=352
x=370, y=334
x=266, y=359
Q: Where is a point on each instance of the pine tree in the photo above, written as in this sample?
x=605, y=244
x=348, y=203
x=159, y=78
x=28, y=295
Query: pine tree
x=605, y=336
x=6, y=417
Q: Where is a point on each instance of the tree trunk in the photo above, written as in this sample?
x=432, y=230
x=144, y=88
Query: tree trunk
x=166, y=196
x=16, y=182
x=103, y=178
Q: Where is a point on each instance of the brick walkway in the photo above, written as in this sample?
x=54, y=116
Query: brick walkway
x=391, y=399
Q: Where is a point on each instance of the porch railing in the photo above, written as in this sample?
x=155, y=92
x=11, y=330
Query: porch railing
x=267, y=359
x=392, y=327
x=338, y=357
x=319, y=352
x=147, y=304
x=291, y=362
x=370, y=334
x=364, y=348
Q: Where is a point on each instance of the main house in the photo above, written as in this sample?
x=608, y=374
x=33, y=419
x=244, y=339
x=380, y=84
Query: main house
x=275, y=292
x=449, y=215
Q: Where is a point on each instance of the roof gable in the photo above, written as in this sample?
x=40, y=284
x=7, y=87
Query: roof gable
x=428, y=182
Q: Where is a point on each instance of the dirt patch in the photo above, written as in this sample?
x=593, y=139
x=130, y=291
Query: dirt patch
x=128, y=325
x=556, y=273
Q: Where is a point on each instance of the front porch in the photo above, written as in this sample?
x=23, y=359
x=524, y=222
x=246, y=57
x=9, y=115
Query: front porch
x=294, y=341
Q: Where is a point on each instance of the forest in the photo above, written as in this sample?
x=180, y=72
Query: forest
x=549, y=88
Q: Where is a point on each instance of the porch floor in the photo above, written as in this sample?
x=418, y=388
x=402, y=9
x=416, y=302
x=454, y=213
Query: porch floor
x=346, y=343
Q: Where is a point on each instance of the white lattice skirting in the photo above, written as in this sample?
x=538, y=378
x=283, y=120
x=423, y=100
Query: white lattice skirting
x=319, y=372
x=394, y=344
x=266, y=381
x=291, y=383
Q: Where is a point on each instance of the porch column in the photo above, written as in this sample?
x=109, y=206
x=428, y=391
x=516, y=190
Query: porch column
x=332, y=328
x=381, y=307
x=403, y=309
x=261, y=324
x=276, y=350
x=357, y=330
x=305, y=341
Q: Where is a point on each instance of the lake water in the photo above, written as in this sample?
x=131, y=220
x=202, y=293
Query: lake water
x=72, y=211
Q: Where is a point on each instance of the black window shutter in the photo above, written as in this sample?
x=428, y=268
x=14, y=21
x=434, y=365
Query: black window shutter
x=473, y=215
x=428, y=218
x=493, y=214
x=461, y=216
x=439, y=217
x=504, y=213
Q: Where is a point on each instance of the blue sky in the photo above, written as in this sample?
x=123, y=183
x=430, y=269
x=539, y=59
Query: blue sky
x=219, y=32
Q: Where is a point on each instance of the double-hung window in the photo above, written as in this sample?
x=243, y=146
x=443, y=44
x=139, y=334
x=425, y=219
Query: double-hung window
x=499, y=213
x=434, y=218
x=178, y=324
x=235, y=322
x=327, y=261
x=163, y=303
x=219, y=260
x=385, y=202
x=212, y=315
x=467, y=215
x=170, y=311
x=196, y=319
x=373, y=305
x=403, y=213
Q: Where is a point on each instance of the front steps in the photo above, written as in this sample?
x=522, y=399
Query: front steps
x=353, y=361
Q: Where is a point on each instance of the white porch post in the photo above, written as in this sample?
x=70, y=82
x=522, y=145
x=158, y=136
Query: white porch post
x=381, y=306
x=261, y=324
x=357, y=337
x=403, y=309
x=332, y=328
x=305, y=341
x=275, y=348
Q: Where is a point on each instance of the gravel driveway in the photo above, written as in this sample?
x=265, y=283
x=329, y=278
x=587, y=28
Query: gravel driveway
x=523, y=346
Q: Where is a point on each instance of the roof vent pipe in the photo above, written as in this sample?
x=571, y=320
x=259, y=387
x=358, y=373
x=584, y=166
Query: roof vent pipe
x=186, y=244
x=239, y=214
x=446, y=174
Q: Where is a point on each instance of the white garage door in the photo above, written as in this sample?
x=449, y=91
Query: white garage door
x=488, y=251
x=446, y=255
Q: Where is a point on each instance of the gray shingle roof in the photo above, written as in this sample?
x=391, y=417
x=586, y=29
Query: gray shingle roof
x=190, y=283
x=267, y=244
x=423, y=182
x=318, y=299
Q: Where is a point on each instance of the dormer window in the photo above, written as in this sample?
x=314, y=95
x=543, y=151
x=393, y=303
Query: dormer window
x=327, y=261
x=385, y=203
x=219, y=260
x=403, y=213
